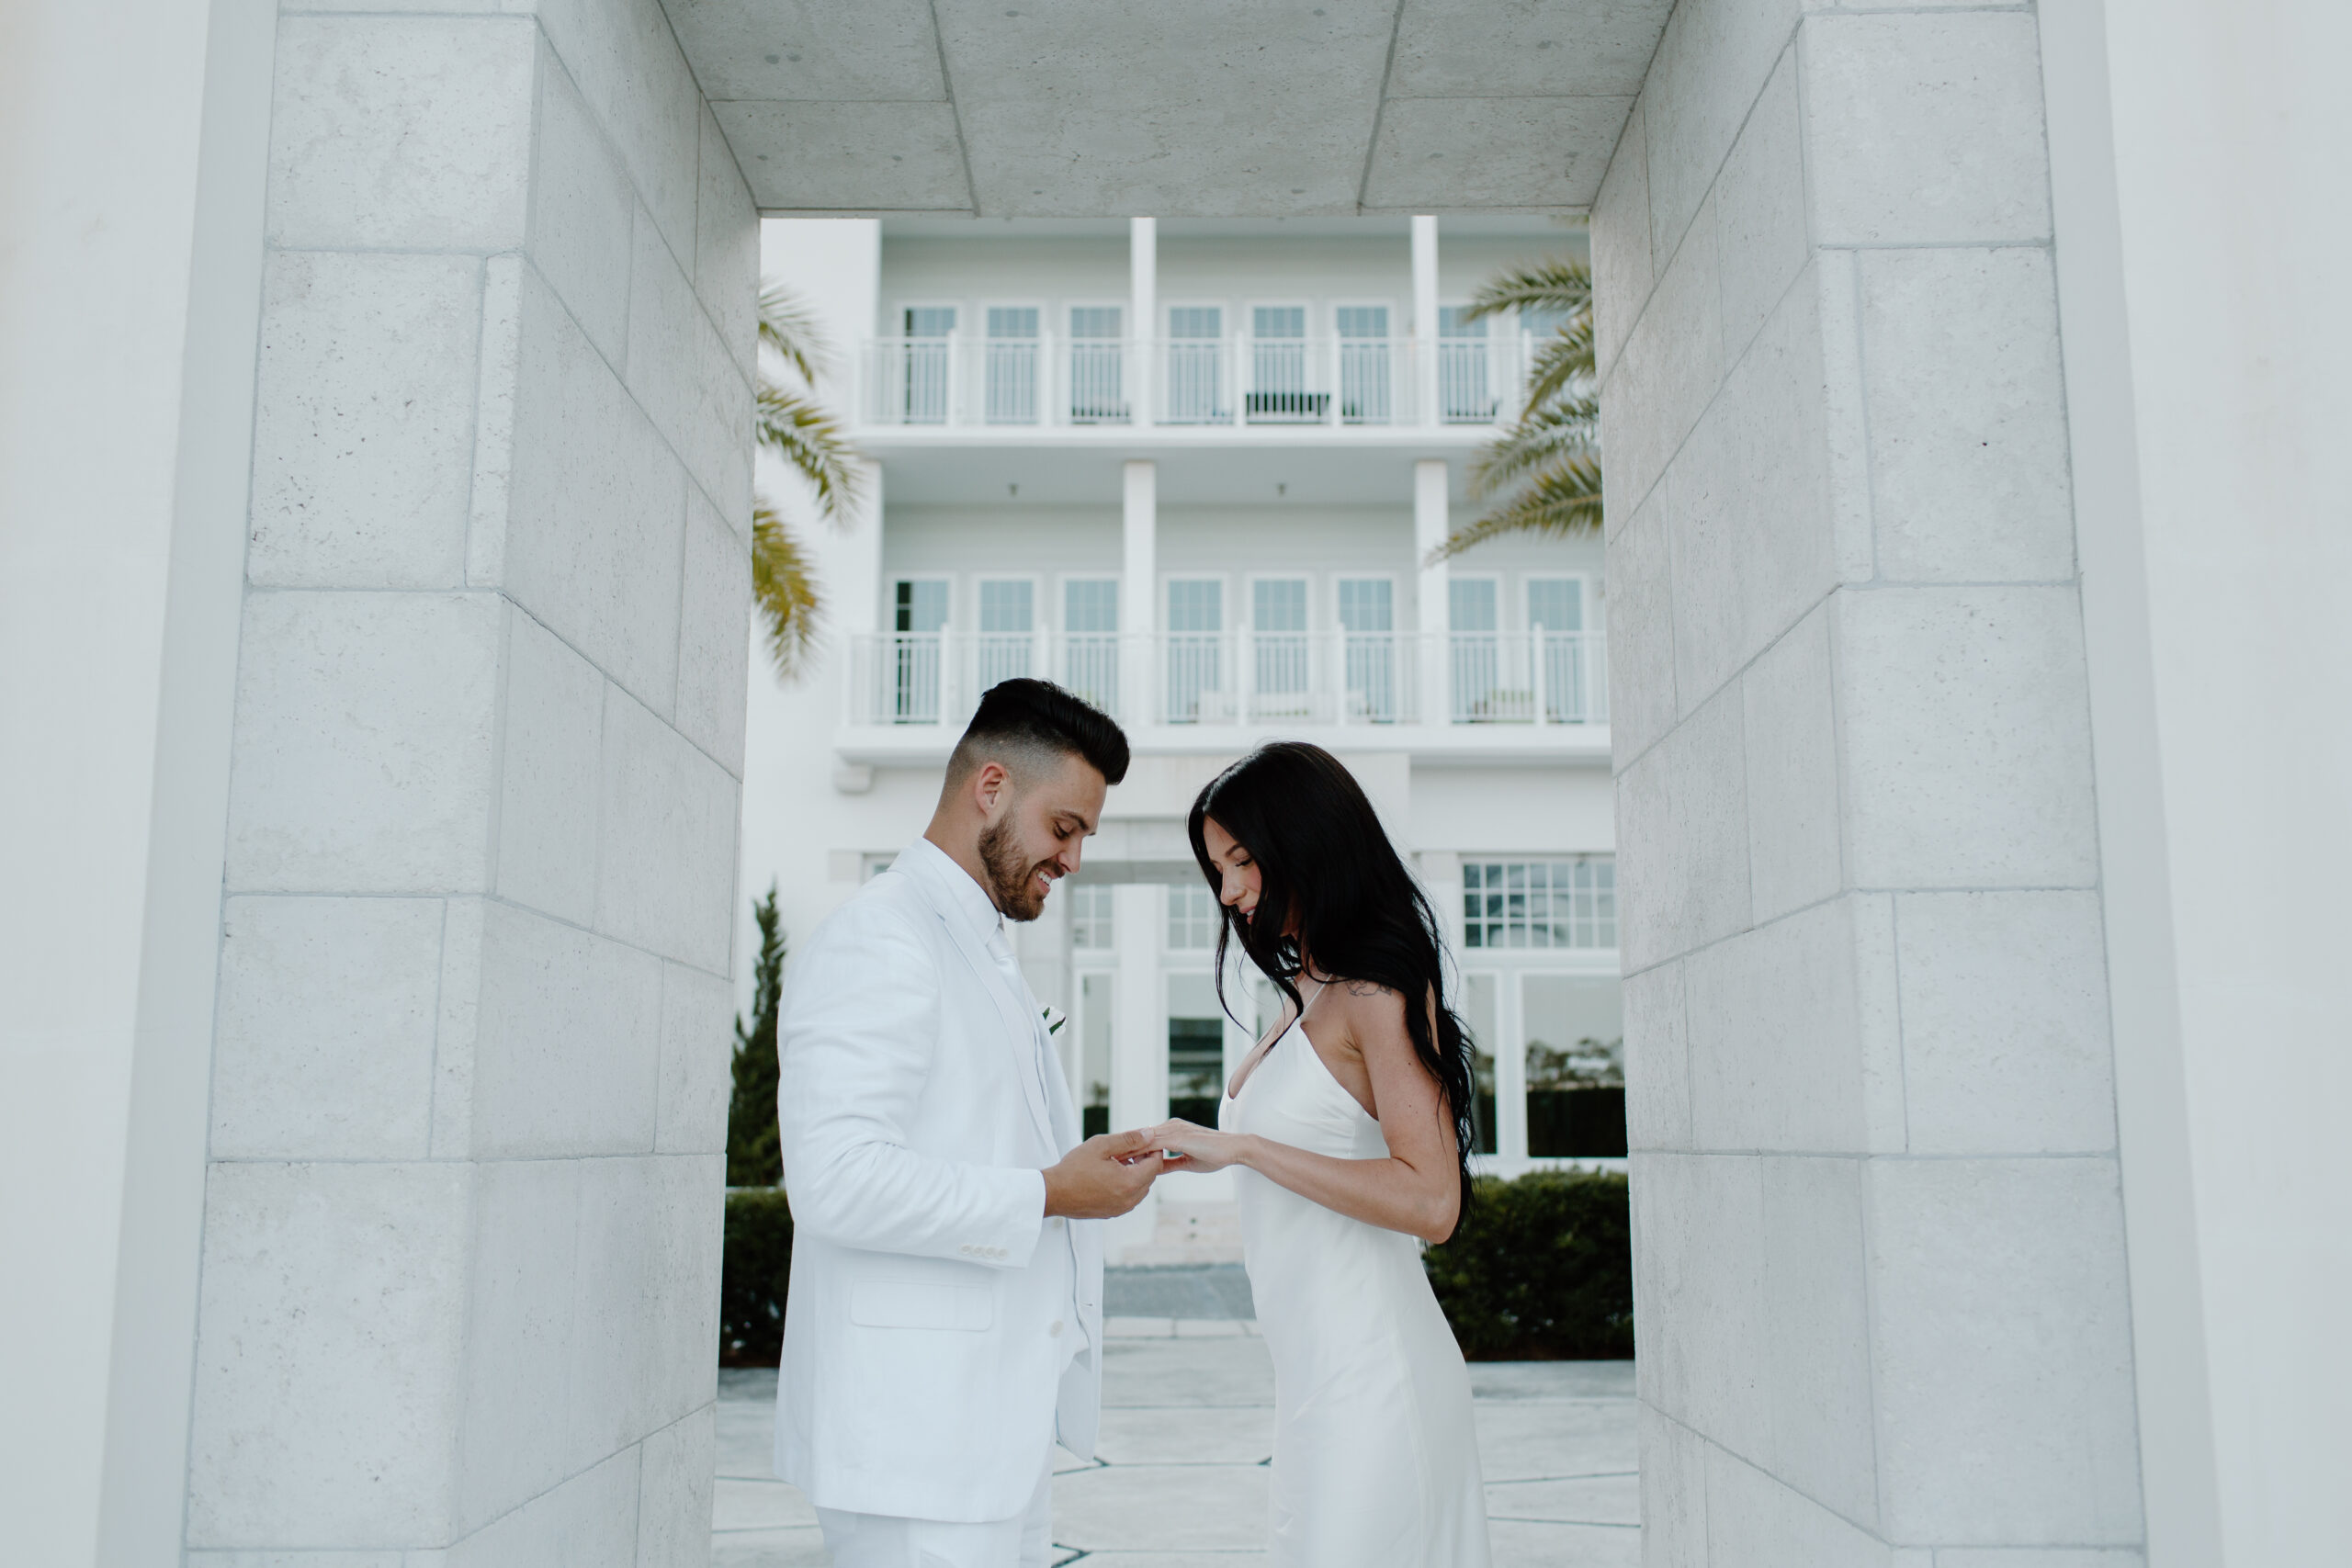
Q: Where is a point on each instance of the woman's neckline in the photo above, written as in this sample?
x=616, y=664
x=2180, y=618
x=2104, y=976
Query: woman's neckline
x=1266, y=1048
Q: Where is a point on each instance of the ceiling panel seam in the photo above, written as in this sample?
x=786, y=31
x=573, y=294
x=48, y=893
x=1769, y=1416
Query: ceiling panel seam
x=956, y=109
x=1379, y=105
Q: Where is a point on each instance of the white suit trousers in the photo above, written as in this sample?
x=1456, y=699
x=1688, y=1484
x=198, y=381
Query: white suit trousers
x=884, y=1540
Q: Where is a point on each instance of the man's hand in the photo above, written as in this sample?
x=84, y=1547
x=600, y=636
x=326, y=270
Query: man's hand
x=1096, y=1179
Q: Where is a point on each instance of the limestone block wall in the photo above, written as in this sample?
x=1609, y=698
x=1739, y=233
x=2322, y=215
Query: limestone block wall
x=461, y=1231
x=1880, y=1251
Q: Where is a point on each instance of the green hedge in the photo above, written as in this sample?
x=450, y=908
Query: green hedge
x=756, y=1270
x=1542, y=1269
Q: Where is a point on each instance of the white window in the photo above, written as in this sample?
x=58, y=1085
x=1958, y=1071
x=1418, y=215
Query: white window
x=1278, y=393
x=1278, y=646
x=1476, y=655
x=1091, y=639
x=1089, y=918
x=1195, y=651
x=1365, y=368
x=1562, y=656
x=1008, y=643
x=1465, y=384
x=1011, y=365
x=923, y=373
x=911, y=671
x=1191, y=920
x=1098, y=392
x=1540, y=903
x=1367, y=623
x=1195, y=364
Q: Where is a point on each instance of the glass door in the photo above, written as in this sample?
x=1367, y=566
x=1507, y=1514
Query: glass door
x=1012, y=370
x=1278, y=393
x=1195, y=364
x=1368, y=637
x=1195, y=651
x=1096, y=366
x=1555, y=633
x=1278, y=648
x=920, y=622
x=1364, y=368
x=1477, y=652
x=1091, y=640
x=1008, y=630
x=1464, y=388
x=929, y=333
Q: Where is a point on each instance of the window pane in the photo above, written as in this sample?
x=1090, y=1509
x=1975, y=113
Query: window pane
x=1195, y=1048
x=1544, y=903
x=1455, y=322
x=1575, y=1065
x=1091, y=605
x=1555, y=603
x=1006, y=607
x=1195, y=321
x=1089, y=918
x=923, y=605
x=1472, y=602
x=930, y=321
x=1191, y=920
x=1013, y=321
x=1367, y=605
x=1196, y=607
x=1281, y=604
x=1278, y=320
x=1478, y=994
x=1094, y=1015
x=1362, y=320
x=1094, y=321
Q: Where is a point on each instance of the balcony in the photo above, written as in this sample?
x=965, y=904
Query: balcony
x=958, y=382
x=1548, y=688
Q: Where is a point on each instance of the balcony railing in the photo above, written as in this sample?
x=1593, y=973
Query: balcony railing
x=1243, y=677
x=1340, y=381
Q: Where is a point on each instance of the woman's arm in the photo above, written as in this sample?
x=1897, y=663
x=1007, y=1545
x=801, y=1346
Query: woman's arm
x=1416, y=1190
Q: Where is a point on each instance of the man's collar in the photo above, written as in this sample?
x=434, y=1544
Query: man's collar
x=934, y=866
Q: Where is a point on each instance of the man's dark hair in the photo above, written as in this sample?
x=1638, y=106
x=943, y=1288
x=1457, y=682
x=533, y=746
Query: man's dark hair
x=1024, y=720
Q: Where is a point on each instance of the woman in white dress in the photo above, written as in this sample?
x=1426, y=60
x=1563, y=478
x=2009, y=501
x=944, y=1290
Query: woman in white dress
x=1349, y=1124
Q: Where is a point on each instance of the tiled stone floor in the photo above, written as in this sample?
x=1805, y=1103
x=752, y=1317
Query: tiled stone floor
x=1179, y=1480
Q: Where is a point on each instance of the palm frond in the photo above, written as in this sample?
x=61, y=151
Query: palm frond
x=788, y=325
x=1563, y=359
x=784, y=593
x=1563, y=499
x=797, y=428
x=1555, y=431
x=1563, y=283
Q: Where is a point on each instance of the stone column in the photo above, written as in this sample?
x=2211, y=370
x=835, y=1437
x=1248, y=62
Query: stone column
x=1138, y=593
x=1880, y=1253
x=1138, y=1037
x=1425, y=320
x=1143, y=316
x=461, y=1226
x=1433, y=611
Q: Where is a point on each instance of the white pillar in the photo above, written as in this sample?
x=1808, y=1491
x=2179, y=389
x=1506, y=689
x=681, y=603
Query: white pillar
x=1138, y=1037
x=1138, y=590
x=1143, y=310
x=1431, y=526
x=1425, y=318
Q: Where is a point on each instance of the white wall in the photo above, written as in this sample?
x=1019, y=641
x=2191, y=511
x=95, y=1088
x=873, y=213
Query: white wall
x=130, y=258
x=2215, y=564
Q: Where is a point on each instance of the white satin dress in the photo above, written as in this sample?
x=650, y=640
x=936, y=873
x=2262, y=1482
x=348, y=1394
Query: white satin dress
x=1375, y=1456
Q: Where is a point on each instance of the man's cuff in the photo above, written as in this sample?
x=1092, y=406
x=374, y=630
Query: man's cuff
x=1019, y=1220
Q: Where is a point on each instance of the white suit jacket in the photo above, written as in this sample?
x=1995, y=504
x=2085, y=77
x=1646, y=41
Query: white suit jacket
x=928, y=1317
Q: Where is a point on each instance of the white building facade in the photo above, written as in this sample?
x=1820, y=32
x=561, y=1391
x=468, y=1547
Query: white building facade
x=1195, y=472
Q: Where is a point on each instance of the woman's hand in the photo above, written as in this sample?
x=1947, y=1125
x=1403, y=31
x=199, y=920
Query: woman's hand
x=1197, y=1148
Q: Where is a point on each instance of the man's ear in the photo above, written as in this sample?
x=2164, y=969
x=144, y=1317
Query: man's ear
x=991, y=783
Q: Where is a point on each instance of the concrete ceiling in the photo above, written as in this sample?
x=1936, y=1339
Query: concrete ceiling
x=1095, y=108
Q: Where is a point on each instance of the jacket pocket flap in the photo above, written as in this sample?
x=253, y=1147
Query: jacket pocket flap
x=906, y=1304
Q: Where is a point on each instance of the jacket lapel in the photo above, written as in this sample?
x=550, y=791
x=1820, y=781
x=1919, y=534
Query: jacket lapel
x=1019, y=1031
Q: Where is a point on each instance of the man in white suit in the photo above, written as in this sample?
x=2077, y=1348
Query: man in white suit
x=945, y=1317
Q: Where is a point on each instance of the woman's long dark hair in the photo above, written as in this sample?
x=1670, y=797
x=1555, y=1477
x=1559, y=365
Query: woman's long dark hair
x=1332, y=887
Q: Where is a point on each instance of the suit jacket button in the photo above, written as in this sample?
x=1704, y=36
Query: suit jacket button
x=1057, y=1329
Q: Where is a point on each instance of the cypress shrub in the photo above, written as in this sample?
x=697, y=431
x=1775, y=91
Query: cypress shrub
x=754, y=1277
x=1542, y=1269
x=753, y=1157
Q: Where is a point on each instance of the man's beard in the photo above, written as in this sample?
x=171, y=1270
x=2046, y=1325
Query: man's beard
x=1012, y=880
